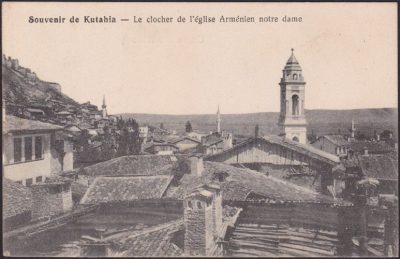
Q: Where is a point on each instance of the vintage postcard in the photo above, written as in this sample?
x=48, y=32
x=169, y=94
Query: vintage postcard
x=199, y=129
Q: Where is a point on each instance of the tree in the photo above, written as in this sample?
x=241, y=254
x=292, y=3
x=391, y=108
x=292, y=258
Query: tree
x=188, y=127
x=386, y=134
x=256, y=131
x=161, y=125
x=83, y=140
x=123, y=148
x=109, y=144
x=129, y=141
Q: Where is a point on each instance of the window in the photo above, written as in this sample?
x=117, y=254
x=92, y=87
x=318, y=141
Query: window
x=29, y=182
x=295, y=139
x=39, y=179
x=28, y=148
x=17, y=149
x=295, y=104
x=295, y=76
x=20, y=182
x=190, y=204
x=198, y=205
x=38, y=147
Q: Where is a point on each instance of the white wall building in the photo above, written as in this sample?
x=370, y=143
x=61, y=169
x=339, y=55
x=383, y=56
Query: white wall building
x=33, y=150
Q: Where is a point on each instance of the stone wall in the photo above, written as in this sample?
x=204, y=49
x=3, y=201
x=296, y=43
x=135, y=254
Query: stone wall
x=199, y=238
x=50, y=199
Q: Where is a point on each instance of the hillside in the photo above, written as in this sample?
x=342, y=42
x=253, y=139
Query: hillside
x=21, y=87
x=319, y=121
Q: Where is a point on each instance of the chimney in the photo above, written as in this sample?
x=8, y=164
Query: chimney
x=51, y=198
x=198, y=221
x=196, y=164
x=216, y=206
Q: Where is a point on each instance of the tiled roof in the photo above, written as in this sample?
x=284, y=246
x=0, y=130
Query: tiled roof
x=337, y=140
x=152, y=242
x=186, y=138
x=211, y=140
x=127, y=188
x=372, y=147
x=133, y=165
x=379, y=167
x=13, y=124
x=302, y=148
x=306, y=150
x=239, y=183
x=17, y=198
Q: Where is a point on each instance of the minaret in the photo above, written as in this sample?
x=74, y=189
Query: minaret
x=104, y=107
x=353, y=129
x=218, y=121
x=292, y=119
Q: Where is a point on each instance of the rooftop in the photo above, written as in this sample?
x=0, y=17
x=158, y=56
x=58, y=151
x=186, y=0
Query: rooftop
x=238, y=183
x=337, y=140
x=379, y=167
x=307, y=150
x=372, y=147
x=15, y=124
x=126, y=188
x=152, y=242
x=133, y=165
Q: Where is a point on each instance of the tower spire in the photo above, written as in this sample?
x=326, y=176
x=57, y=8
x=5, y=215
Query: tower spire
x=353, y=129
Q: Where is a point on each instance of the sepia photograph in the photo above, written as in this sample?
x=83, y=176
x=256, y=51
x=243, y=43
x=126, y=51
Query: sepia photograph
x=186, y=129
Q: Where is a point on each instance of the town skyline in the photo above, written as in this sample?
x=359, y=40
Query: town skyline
x=188, y=69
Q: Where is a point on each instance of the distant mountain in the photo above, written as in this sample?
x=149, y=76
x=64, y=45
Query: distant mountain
x=22, y=88
x=319, y=121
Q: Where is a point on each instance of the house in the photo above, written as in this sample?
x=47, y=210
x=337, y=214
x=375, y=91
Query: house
x=186, y=143
x=64, y=114
x=216, y=142
x=144, y=133
x=372, y=147
x=34, y=113
x=384, y=168
x=196, y=135
x=34, y=150
x=334, y=144
x=162, y=149
x=101, y=123
x=206, y=228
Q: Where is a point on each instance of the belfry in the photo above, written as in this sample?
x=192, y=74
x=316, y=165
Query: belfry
x=292, y=119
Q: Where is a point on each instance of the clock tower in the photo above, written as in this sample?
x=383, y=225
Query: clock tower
x=292, y=119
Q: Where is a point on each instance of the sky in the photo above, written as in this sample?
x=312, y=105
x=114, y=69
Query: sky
x=348, y=52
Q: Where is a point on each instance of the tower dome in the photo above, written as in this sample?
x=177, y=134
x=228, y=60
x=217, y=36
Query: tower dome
x=292, y=63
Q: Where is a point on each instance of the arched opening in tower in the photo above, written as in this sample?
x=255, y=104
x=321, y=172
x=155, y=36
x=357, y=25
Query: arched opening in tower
x=295, y=104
